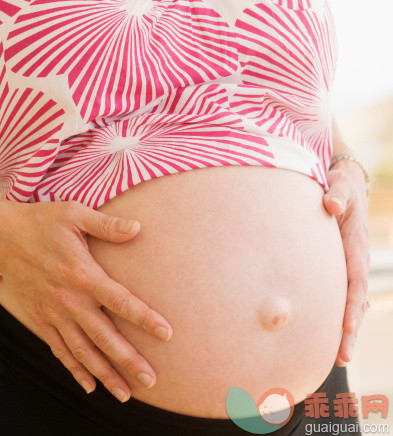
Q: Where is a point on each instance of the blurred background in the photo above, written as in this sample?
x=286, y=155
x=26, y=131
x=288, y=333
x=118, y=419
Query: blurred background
x=363, y=107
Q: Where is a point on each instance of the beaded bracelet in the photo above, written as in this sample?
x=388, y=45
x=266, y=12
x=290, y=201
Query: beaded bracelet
x=348, y=156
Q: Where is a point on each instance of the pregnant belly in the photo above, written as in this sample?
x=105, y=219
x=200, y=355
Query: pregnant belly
x=248, y=268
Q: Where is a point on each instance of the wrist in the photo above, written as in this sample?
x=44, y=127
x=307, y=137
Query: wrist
x=350, y=167
x=341, y=147
x=3, y=217
x=354, y=171
x=6, y=207
x=8, y=218
x=7, y=221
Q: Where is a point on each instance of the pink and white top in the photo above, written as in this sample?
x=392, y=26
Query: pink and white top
x=99, y=95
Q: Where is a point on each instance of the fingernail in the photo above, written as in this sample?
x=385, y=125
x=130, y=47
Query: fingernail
x=146, y=379
x=163, y=333
x=87, y=386
x=350, y=352
x=128, y=226
x=337, y=200
x=120, y=395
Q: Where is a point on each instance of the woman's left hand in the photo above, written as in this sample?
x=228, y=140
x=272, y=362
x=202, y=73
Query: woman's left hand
x=347, y=200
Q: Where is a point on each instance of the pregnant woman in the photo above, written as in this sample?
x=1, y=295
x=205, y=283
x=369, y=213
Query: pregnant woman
x=231, y=271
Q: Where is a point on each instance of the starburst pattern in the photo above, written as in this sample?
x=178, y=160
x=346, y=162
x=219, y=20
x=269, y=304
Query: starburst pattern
x=100, y=95
x=117, y=61
x=29, y=127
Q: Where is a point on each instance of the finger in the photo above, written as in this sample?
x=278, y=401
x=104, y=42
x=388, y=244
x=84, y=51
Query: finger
x=347, y=347
x=353, y=318
x=339, y=362
x=356, y=303
x=337, y=197
x=120, y=301
x=60, y=350
x=357, y=261
x=103, y=333
x=356, y=306
x=333, y=204
x=92, y=359
x=101, y=225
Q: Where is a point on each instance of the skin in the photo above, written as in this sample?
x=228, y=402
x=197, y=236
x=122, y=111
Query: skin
x=347, y=200
x=44, y=259
x=254, y=285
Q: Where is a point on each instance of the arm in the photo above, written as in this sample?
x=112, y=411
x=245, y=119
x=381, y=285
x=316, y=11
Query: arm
x=349, y=167
x=347, y=200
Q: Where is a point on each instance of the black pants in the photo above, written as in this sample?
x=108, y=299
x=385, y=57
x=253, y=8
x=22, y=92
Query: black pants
x=38, y=396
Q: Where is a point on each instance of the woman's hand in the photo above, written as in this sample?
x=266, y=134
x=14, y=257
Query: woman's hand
x=45, y=261
x=347, y=200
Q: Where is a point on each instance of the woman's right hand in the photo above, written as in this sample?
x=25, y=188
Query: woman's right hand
x=45, y=261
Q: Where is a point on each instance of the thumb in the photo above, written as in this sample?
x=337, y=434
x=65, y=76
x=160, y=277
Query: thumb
x=335, y=202
x=106, y=227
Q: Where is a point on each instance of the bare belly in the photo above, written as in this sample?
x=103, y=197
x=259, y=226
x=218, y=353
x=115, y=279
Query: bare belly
x=248, y=268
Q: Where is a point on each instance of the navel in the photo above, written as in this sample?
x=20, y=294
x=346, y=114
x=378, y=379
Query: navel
x=274, y=312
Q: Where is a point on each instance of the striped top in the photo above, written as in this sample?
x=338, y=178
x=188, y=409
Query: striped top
x=99, y=95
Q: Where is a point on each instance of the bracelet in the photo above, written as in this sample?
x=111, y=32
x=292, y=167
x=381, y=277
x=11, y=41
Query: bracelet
x=348, y=156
